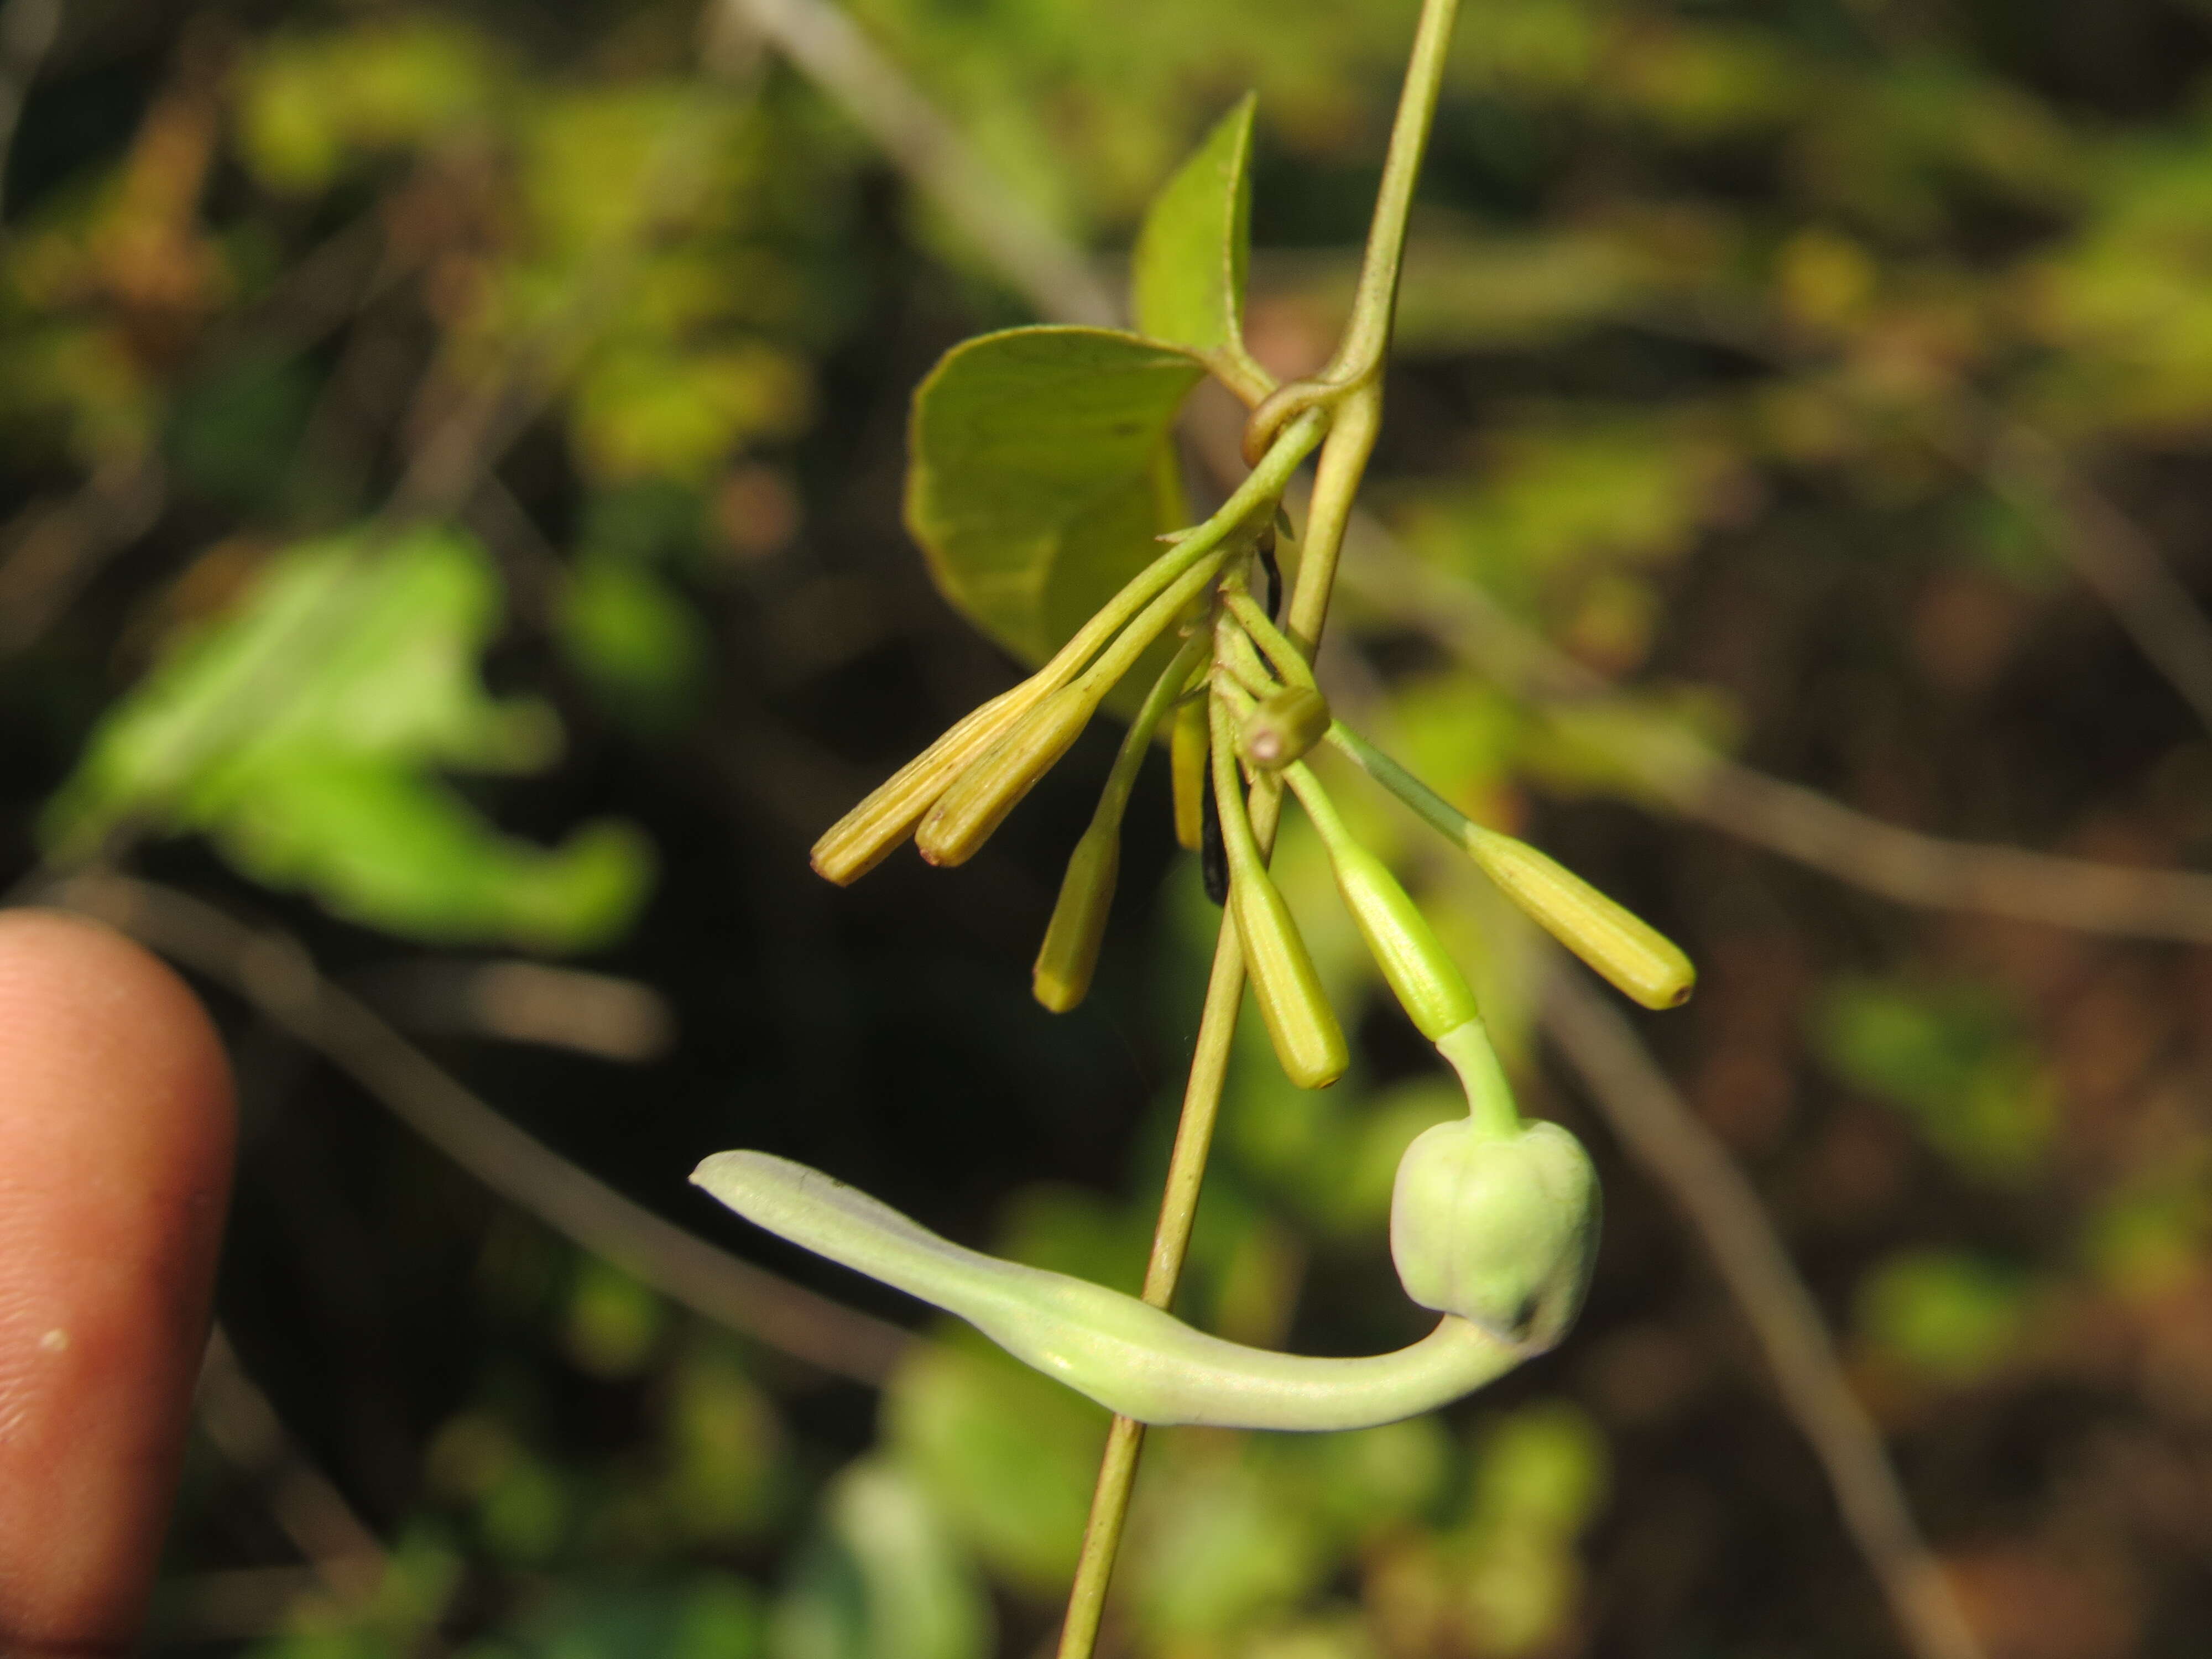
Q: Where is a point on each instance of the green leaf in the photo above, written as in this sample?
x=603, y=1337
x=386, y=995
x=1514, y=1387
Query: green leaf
x=299, y=730
x=380, y=844
x=1041, y=473
x=1186, y=280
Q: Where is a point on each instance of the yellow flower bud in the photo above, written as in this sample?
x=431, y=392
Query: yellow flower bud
x=1069, y=955
x=1435, y=995
x=1303, y=1027
x=860, y=840
x=1283, y=726
x=1187, y=766
x=1639, y=960
x=991, y=786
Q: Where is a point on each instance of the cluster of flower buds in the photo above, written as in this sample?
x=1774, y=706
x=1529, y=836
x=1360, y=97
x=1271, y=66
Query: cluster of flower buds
x=1493, y=1219
x=1241, y=710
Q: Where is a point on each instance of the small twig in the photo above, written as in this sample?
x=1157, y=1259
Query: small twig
x=53, y=548
x=1687, y=1160
x=275, y=974
x=2113, y=555
x=1698, y=782
x=241, y=1423
x=464, y=441
x=1041, y=264
x=533, y=1002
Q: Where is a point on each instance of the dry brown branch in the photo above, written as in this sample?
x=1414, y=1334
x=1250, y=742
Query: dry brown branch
x=1690, y=1163
x=830, y=49
x=516, y=1001
x=274, y=973
x=1697, y=782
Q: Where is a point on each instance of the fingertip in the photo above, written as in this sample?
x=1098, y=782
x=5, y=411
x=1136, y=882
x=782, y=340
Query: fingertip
x=117, y=1135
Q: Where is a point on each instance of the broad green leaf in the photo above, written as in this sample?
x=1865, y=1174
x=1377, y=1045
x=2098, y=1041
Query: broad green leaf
x=1186, y=280
x=1041, y=473
x=378, y=843
x=299, y=731
x=725, y=1454
x=1539, y=1476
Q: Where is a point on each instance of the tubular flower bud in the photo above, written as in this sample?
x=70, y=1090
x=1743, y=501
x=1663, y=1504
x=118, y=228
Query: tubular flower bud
x=1640, y=961
x=1187, y=763
x=1308, y=1041
x=1283, y=726
x=991, y=786
x=1420, y=970
x=1435, y=995
x=860, y=840
x=1069, y=955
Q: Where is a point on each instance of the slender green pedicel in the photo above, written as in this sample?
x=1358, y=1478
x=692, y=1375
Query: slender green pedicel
x=1634, y=956
x=1069, y=955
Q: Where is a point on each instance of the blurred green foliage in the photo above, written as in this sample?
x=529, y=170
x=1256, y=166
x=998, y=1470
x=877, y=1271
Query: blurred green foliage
x=1952, y=1316
x=1955, y=1059
x=297, y=731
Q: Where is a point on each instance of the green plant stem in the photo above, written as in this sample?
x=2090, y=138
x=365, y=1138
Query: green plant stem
x=1290, y=662
x=1358, y=356
x=1352, y=428
x=1137, y=742
x=1343, y=464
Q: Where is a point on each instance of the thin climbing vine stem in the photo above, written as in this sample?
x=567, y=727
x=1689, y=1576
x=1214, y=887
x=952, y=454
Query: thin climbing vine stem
x=1355, y=421
x=1358, y=356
